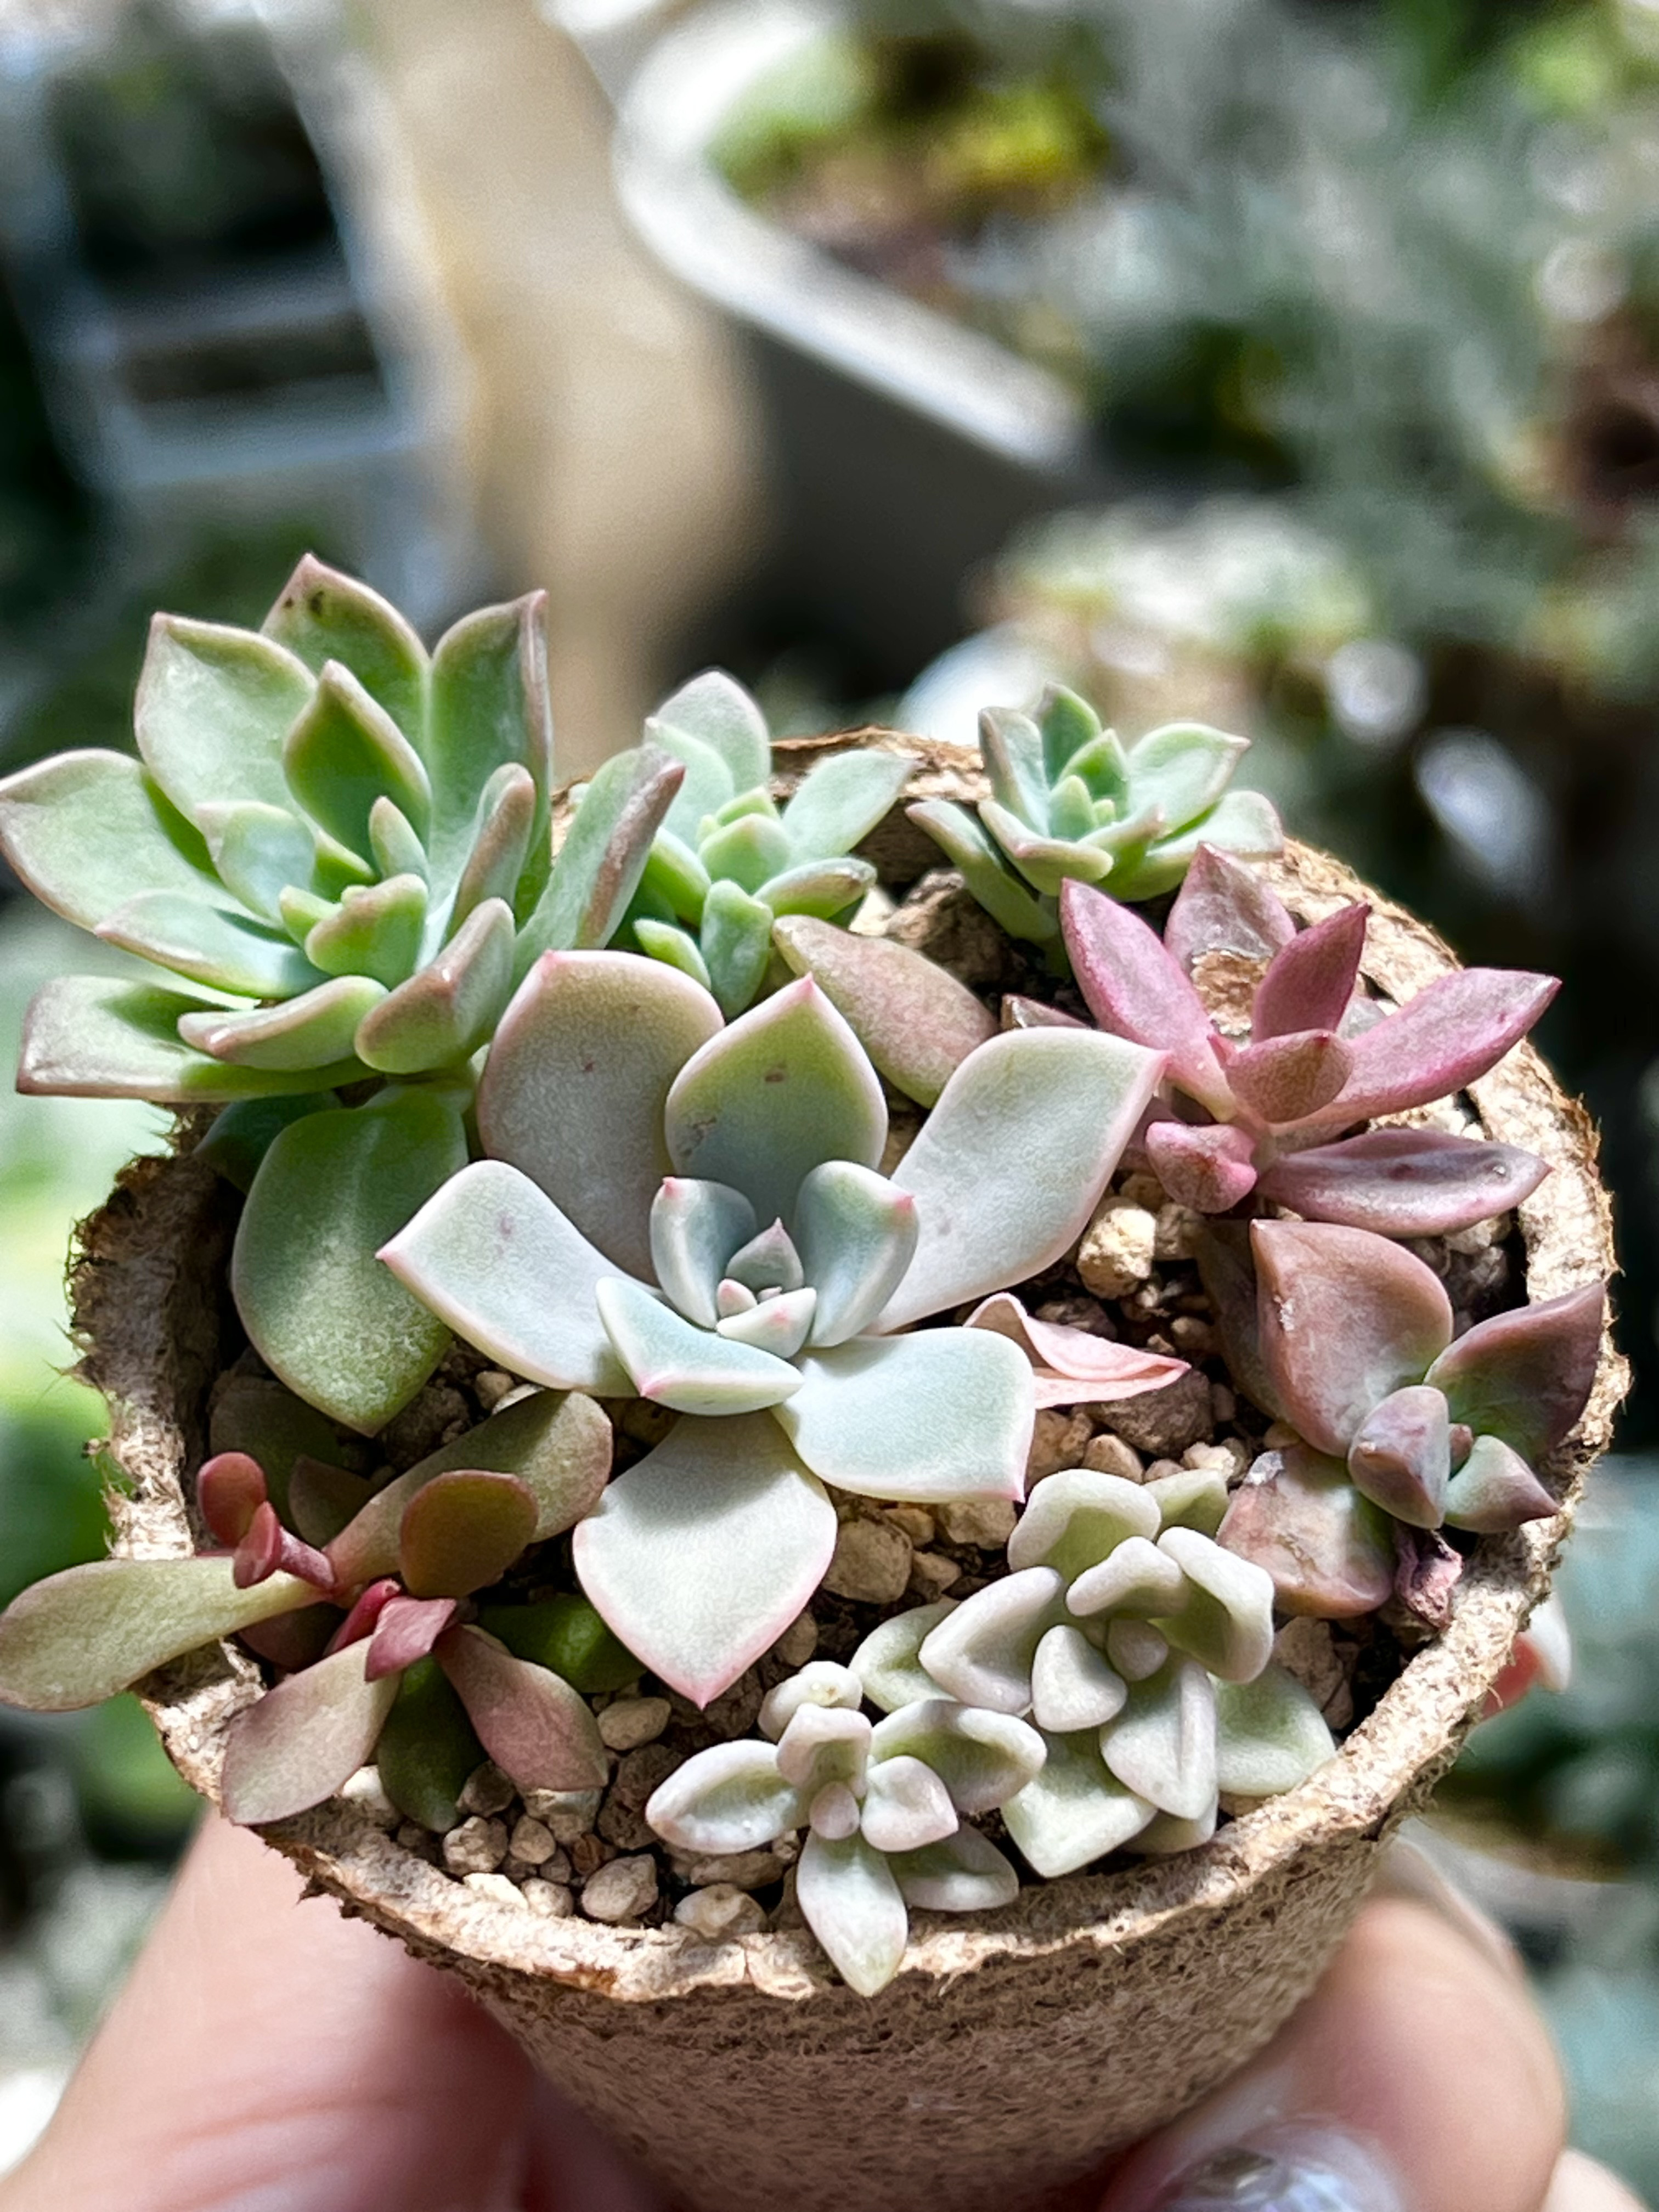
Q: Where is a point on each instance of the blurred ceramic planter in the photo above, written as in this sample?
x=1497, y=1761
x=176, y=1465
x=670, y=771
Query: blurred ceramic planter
x=1012, y=2052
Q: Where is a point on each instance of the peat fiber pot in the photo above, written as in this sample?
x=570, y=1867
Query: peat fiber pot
x=1014, y=2049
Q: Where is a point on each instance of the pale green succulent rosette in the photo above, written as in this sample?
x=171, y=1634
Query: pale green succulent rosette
x=693, y=1213
x=1069, y=802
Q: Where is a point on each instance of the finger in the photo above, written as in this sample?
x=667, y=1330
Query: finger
x=1417, y=2078
x=1582, y=2185
x=268, y=2056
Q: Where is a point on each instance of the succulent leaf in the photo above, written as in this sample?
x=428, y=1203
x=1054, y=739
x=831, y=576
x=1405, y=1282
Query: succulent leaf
x=1182, y=769
x=1070, y=1366
x=851, y=1903
x=945, y=1413
x=887, y=1664
x=230, y=1488
x=823, y=889
x=1271, y=1735
x=736, y=944
x=1074, y=1810
x=1225, y=1620
x=981, y=1653
x=1329, y=1550
x=694, y=1228
x=443, y=1012
x=1239, y=822
x=856, y=1237
x=213, y=707
x=906, y=1806
x=695, y=1370
x=962, y=1872
x=463, y=1530
x=1209, y=1167
x=1284, y=1079
x=995, y=885
x=1224, y=907
x=1495, y=1489
x=343, y=752
x=405, y=1633
x=1077, y=1518
x=676, y=947
x=500, y=842
x=779, y=1325
x=916, y=1021
x=427, y=1748
x=1526, y=1375
x=1045, y=863
x=77, y=825
x=718, y=714
x=1311, y=978
x=304, y=1738
x=1450, y=1034
x=397, y=850
x=489, y=706
x=1135, y=990
x=840, y=801
x=564, y=1632
x=822, y=1743
x=209, y=944
x=534, y=1725
x=1072, y=1687
x=314, y=1030
x=1136, y=1579
x=1404, y=1183
x=1011, y=747
x=101, y=1036
x=603, y=856
x=260, y=852
x=820, y=1683
x=375, y=930
x=322, y=616
x=1195, y=1498
x=1401, y=1457
x=1163, y=1746
x=746, y=853
x=982, y=1758
x=728, y=1798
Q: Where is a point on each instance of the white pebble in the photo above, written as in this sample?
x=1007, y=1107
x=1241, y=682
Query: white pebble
x=627, y=1722
x=621, y=1890
x=720, y=1910
x=551, y=1900
x=478, y=1846
x=366, y=1794
x=569, y=1813
x=495, y=1887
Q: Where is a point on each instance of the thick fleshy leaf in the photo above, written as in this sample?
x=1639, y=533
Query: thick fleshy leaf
x=1075, y=1810
x=716, y=712
x=1072, y=1687
x=888, y=1664
x=243, y=1132
x=442, y=1015
x=728, y=1798
x=1136, y=1579
x=906, y=1806
x=489, y=706
x=565, y=1633
x=1071, y=1365
x=1163, y=1835
x=945, y=1413
x=694, y=1228
x=79, y=1636
x=1226, y=1619
x=1163, y=1747
x=1225, y=907
x=1495, y=1489
x=87, y=830
x=964, y=1873
x=701, y=1555
x=1446, y=1036
x=507, y=811
x=820, y=1683
x=213, y=707
x=375, y=930
x=1239, y=821
x=982, y=1758
x=1311, y=979
x=674, y=947
x=1069, y=726
x=463, y=1530
x=314, y=1030
x=323, y=615
x=343, y=752
x=1136, y=1648
x=252, y=1414
x=1284, y=1079
x=577, y=1082
x=818, y=888
x=1525, y=1375
x=1401, y=1455
x=917, y=1023
x=266, y=1547
x=1011, y=1163
x=768, y=1261
x=325, y=1316
x=674, y=1362
x=1405, y=1182
x=783, y=1089
x=1135, y=990
x=1011, y=747
x=998, y=889
x=822, y=1743
x=983, y=1651
x=780, y=1325
x=851, y=1903
x=1209, y=1167
x=428, y=1749
x=675, y=875
x=304, y=1738
x=1077, y=1518
x=1330, y=1552
x=856, y=1236
x=1226, y=1267
x=322, y=1499
x=1045, y=863
x=406, y=1631
x=397, y=850
x=1193, y=1497
x=230, y=1488
x=1182, y=769
x=747, y=852
x=1271, y=1736
x=603, y=856
x=736, y=945
x=537, y=1729
x=228, y=951
x=1345, y=1318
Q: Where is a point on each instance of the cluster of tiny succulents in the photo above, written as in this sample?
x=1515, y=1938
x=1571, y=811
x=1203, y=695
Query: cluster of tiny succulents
x=743, y=1201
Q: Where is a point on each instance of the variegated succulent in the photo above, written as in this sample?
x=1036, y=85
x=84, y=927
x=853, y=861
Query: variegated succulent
x=1267, y=1114
x=696, y=1213
x=1069, y=804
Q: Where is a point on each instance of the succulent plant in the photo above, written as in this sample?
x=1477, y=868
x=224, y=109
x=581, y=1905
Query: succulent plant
x=885, y=1805
x=349, y=1619
x=1349, y=1338
x=694, y=1213
x=727, y=861
x=1069, y=804
x=1261, y=1115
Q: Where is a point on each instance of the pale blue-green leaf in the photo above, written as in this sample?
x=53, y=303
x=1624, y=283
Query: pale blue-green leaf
x=603, y=859
x=1069, y=725
x=101, y=1036
x=260, y=852
x=79, y=1636
x=758, y=801
x=1045, y=862
x=213, y=707
x=674, y=947
x=820, y=1683
x=720, y=713
x=982, y=1758
x=1135, y=1578
x=675, y=1364
x=770, y=1098
x=840, y=801
x=736, y=945
x=441, y=1014
x=375, y=930
x=998, y=889
x=396, y=849
x=212, y=945
x=1071, y=810
x=1271, y=1735
x=1078, y=1517
x=1011, y=746
x=888, y=1664
x=855, y=1235
x=982, y=1652
x=322, y=1313
x=851, y=1903
x=1075, y=1810
x=87, y=830
x=1194, y=1497
x=917, y=1023
x=1243, y=821
x=768, y=1261
x=822, y=888
x=578, y=1078
x=1182, y=769
x=1164, y=1836
x=495, y=1259
x=1163, y=1746
x=945, y=1414
x=728, y=1798
x=695, y=1228
x=314, y=1030
x=965, y=1873
x=676, y=876
x=301, y=912
x=323, y=615
x=1226, y=1620
x=822, y=1743
x=707, y=781
x=906, y=1806
x=304, y=1738
x=506, y=809
x=1009, y=1165
x=701, y=1555
x=489, y=706
x=778, y=1325
x=343, y=752
x=746, y=851
x=1072, y=1686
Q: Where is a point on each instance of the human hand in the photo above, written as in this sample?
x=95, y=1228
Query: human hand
x=268, y=2056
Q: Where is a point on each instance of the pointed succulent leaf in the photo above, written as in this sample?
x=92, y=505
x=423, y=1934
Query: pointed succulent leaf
x=674, y=874
x=780, y=1325
x=1136, y=1579
x=851, y=1903
x=823, y=889
x=694, y=1228
x=982, y=1652
x=101, y=1036
x=1224, y=907
x=907, y=1807
x=1345, y=1318
x=1239, y=821
x=230, y=1488
x=728, y=1798
x=343, y=752
x=945, y=1414
x=314, y=1030
x=1194, y=1497
x=982, y=1758
x=916, y=1021
x=489, y=706
x=840, y=800
x=1072, y=1686
x=1209, y=1167
x=1445, y=1037
x=603, y=856
x=1401, y=1456
x=463, y=1530
x=1329, y=1550
x=375, y=930
x=506, y=812
x=1163, y=1746
x=325, y=1316
x=1271, y=1735
x=701, y=1555
x=1069, y=726
x=1526, y=1375
x=820, y=1683
x=888, y=1664
x=1077, y=1518
x=1182, y=769
x=323, y=615
x=1045, y=863
x=674, y=947
x=998, y=889
x=565, y=1633
x=1075, y=1810
x=1405, y=1182
x=748, y=852
x=301, y=911
x=441, y=1014
x=406, y=1631
x=538, y=1730
x=856, y=1236
x=1011, y=748
x=394, y=847
x=715, y=711
x=736, y=945
x=674, y=1362
x=1284, y=1079
x=260, y=852
x=87, y=830
x=1135, y=990
x=964, y=1873
x=1070, y=1366
x=1495, y=1489
x=1012, y=1162
x=304, y=1738
x=213, y=707
x=824, y=1743
x=79, y=1636
x=210, y=945
x=768, y=1261
x=426, y=1750
x=364, y=1617
x=1310, y=980
x=1225, y=1620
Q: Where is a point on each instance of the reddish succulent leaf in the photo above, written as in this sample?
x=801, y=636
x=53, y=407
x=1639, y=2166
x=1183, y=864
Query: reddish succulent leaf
x=917, y=1023
x=1401, y=1457
x=360, y=1623
x=1310, y=981
x=293, y=1640
x=230, y=1490
x=535, y=1727
x=1208, y=1168
x=1345, y=1319
x=1404, y=1183
x=304, y=1738
x=1071, y=1365
x=1284, y=1079
x=1444, y=1037
x=1021, y=1013
x=1226, y=1267
x=1330, y=1552
x=1426, y=1573
x=406, y=1630
x=1134, y=989
x=463, y=1531
x=1495, y=1489
x=266, y=1548
x=1525, y=1375
x=1225, y=907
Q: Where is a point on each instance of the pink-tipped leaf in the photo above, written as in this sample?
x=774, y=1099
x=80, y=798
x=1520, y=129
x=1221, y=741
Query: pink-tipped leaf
x=536, y=1728
x=1405, y=1182
x=1071, y=1365
x=304, y=1738
x=1310, y=980
x=1209, y=1169
x=1448, y=1035
x=1526, y=1375
x=1224, y=906
x=1284, y=1079
x=1134, y=989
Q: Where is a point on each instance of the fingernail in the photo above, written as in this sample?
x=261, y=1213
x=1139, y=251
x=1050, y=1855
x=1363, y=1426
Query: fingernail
x=1301, y=2169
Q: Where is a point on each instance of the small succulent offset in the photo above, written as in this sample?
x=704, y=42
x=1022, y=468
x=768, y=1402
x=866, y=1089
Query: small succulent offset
x=885, y=1805
x=1349, y=1338
x=1262, y=1116
x=1138, y=1649
x=1069, y=804
x=693, y=1213
x=727, y=861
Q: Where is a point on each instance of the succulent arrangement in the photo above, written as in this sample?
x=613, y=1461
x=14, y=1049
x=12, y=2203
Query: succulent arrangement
x=729, y=1313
